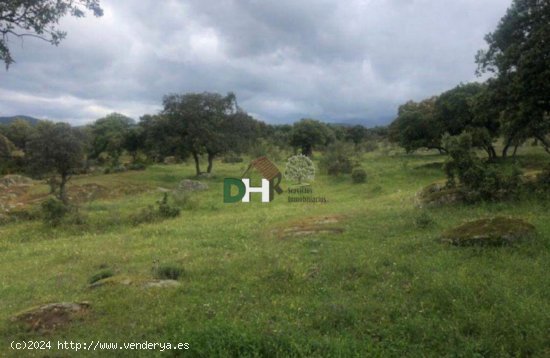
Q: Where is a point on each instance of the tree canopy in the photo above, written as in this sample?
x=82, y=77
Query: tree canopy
x=38, y=19
x=518, y=58
x=55, y=149
x=206, y=123
x=308, y=133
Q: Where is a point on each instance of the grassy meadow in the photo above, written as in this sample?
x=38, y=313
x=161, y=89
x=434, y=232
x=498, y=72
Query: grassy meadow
x=380, y=286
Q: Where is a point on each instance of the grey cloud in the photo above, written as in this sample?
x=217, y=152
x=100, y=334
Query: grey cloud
x=338, y=61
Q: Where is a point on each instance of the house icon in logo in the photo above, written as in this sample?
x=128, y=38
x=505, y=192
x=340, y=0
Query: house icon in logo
x=270, y=183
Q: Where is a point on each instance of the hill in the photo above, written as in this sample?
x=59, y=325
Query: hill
x=8, y=120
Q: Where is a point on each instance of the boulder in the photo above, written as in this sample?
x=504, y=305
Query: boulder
x=8, y=181
x=188, y=185
x=489, y=232
x=51, y=316
x=161, y=284
x=170, y=160
x=437, y=194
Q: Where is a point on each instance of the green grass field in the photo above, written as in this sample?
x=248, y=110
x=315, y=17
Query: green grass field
x=382, y=287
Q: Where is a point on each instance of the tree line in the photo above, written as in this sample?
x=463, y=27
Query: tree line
x=512, y=105
x=192, y=125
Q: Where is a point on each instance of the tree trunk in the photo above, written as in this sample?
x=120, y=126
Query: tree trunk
x=210, y=162
x=307, y=150
x=62, y=190
x=505, y=149
x=197, y=163
x=492, y=153
x=515, y=150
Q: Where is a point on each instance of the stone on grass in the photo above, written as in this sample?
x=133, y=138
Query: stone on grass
x=161, y=284
x=489, y=232
x=188, y=185
x=328, y=224
x=52, y=316
x=437, y=194
x=10, y=180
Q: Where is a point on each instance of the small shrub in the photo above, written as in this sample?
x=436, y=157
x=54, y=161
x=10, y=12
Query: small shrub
x=118, y=169
x=137, y=166
x=185, y=200
x=150, y=214
x=165, y=210
x=423, y=221
x=359, y=175
x=338, y=159
x=369, y=146
x=168, y=272
x=100, y=275
x=479, y=180
x=53, y=211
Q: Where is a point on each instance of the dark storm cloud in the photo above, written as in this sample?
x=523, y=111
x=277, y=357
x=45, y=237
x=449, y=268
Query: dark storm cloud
x=333, y=60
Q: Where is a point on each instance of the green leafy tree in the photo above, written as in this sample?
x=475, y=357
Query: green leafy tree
x=338, y=158
x=308, y=133
x=454, y=108
x=38, y=19
x=356, y=134
x=18, y=132
x=518, y=59
x=299, y=168
x=160, y=140
x=417, y=127
x=108, y=135
x=204, y=122
x=134, y=141
x=6, y=148
x=55, y=149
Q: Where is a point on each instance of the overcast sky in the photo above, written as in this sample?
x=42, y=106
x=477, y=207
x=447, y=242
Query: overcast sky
x=338, y=61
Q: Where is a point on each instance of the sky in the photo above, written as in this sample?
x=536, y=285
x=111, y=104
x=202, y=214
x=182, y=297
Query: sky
x=351, y=61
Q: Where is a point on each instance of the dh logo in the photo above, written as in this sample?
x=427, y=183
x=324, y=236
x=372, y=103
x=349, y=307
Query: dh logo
x=270, y=183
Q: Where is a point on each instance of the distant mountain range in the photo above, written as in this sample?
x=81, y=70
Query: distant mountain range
x=8, y=120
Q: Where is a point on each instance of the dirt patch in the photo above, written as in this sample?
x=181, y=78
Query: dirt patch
x=52, y=316
x=327, y=224
x=87, y=192
x=489, y=232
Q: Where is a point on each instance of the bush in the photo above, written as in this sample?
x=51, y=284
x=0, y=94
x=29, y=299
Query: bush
x=338, y=159
x=232, y=159
x=115, y=169
x=369, y=146
x=423, y=221
x=150, y=214
x=359, y=175
x=137, y=166
x=100, y=275
x=165, y=210
x=267, y=148
x=168, y=272
x=479, y=180
x=53, y=211
x=543, y=179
